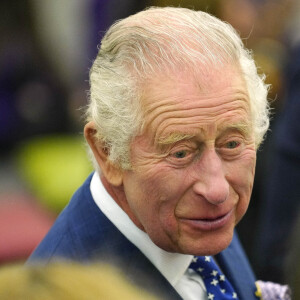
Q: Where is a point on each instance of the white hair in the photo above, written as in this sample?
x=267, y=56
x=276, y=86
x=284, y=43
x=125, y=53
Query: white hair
x=162, y=40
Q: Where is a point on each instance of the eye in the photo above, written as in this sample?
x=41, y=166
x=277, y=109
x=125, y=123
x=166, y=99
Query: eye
x=231, y=148
x=181, y=157
x=232, y=144
x=180, y=154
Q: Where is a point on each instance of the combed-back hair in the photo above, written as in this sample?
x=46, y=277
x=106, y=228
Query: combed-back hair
x=162, y=40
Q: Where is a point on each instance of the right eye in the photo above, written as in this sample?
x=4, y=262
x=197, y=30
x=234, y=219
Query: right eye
x=180, y=154
x=181, y=157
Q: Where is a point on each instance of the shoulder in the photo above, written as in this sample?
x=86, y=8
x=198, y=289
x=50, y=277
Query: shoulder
x=73, y=224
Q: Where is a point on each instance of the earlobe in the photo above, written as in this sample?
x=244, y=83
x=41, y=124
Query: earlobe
x=111, y=172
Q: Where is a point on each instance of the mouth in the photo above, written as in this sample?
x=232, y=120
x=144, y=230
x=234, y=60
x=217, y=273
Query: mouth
x=210, y=223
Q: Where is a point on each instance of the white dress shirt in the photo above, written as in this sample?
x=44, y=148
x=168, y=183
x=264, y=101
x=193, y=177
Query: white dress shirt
x=173, y=266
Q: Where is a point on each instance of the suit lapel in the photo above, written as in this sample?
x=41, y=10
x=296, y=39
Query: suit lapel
x=236, y=267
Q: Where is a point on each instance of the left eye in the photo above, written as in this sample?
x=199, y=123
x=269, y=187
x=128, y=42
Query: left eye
x=180, y=154
x=232, y=144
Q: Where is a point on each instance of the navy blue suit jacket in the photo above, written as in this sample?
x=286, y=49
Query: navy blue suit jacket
x=83, y=233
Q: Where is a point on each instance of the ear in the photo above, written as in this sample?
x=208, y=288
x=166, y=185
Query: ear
x=111, y=172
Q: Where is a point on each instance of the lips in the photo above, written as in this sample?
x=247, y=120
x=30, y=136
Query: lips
x=209, y=223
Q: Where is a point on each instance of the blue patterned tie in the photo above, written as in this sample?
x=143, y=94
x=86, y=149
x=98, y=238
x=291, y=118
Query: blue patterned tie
x=217, y=286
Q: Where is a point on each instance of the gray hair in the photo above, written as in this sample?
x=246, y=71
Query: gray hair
x=156, y=40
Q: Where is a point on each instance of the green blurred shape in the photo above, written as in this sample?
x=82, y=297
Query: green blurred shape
x=54, y=167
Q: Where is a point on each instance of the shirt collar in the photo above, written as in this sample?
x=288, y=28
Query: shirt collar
x=171, y=265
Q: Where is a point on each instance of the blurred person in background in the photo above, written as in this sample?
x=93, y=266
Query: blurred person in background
x=36, y=98
x=31, y=99
x=63, y=281
x=177, y=113
x=281, y=191
x=31, y=104
x=46, y=48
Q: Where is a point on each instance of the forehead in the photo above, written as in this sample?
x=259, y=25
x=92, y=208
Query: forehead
x=186, y=102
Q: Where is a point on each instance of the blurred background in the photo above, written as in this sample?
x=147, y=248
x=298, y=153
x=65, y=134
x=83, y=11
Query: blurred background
x=46, y=50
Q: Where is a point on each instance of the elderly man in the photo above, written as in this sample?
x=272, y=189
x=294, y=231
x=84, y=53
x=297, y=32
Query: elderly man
x=176, y=114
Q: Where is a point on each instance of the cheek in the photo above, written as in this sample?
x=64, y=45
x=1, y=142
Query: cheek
x=241, y=170
x=148, y=192
x=241, y=180
x=162, y=193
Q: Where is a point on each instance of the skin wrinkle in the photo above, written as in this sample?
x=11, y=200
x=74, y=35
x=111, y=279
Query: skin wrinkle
x=157, y=113
x=201, y=87
x=205, y=103
x=191, y=121
x=160, y=193
x=173, y=138
x=191, y=143
x=239, y=126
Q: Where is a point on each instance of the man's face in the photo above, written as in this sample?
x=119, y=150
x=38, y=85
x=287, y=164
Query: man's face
x=193, y=167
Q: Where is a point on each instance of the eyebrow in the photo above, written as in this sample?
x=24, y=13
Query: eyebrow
x=174, y=138
x=243, y=127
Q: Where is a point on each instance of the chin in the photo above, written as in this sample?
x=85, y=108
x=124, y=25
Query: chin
x=208, y=245
x=212, y=250
x=207, y=250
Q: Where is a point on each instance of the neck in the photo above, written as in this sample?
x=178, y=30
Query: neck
x=118, y=195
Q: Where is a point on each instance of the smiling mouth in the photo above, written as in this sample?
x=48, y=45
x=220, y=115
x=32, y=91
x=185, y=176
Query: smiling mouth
x=208, y=224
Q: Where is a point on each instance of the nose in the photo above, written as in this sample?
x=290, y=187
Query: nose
x=211, y=182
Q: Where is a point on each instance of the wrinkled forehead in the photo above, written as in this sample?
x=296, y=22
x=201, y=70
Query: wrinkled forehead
x=193, y=99
x=205, y=81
